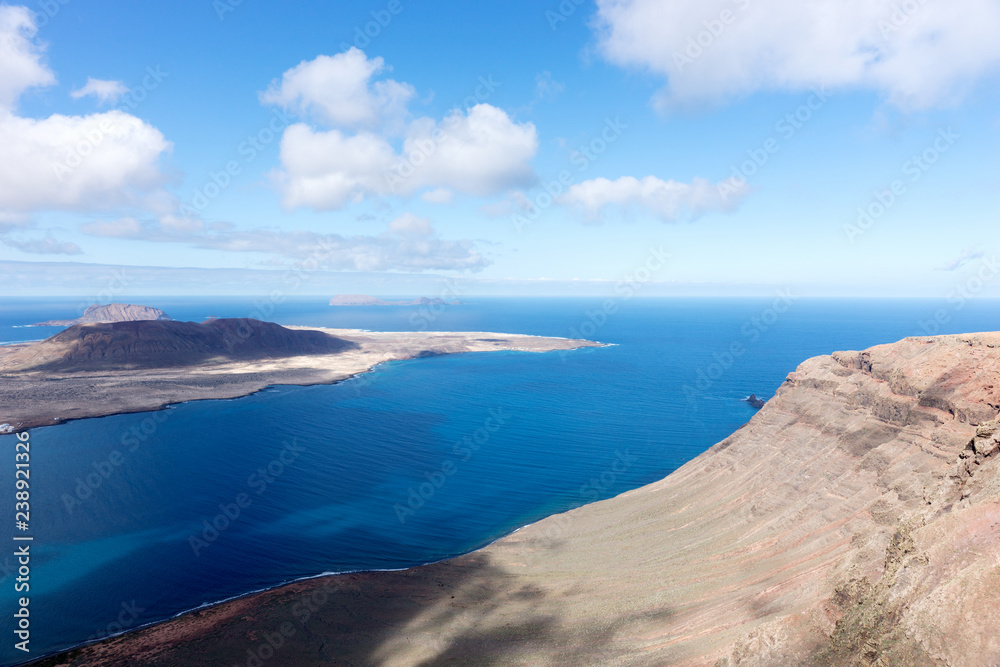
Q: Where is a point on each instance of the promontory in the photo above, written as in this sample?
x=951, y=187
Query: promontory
x=96, y=369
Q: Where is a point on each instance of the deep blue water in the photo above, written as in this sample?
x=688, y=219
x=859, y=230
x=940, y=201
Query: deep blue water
x=344, y=458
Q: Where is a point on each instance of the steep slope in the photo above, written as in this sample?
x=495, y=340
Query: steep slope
x=163, y=344
x=855, y=520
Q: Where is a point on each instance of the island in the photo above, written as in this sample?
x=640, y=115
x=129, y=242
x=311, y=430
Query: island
x=112, y=312
x=855, y=520
x=756, y=403
x=98, y=369
x=364, y=300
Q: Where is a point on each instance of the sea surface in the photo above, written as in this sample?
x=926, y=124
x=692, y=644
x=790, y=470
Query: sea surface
x=139, y=517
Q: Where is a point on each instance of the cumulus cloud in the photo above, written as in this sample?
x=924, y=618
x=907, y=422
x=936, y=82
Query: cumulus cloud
x=106, y=92
x=77, y=162
x=668, y=200
x=44, y=246
x=21, y=64
x=357, y=154
x=65, y=162
x=478, y=152
x=410, y=244
x=338, y=91
x=917, y=53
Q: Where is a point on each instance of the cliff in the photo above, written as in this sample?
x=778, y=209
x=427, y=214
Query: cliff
x=164, y=344
x=112, y=312
x=855, y=520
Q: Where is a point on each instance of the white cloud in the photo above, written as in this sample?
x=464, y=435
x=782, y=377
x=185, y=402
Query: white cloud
x=411, y=225
x=21, y=64
x=478, y=152
x=439, y=196
x=514, y=201
x=337, y=91
x=122, y=228
x=65, y=162
x=327, y=170
x=409, y=244
x=43, y=246
x=668, y=200
x=917, y=53
x=77, y=162
x=106, y=92
x=366, y=145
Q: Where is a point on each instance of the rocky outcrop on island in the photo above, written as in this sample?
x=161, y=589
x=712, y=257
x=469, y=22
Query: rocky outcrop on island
x=855, y=520
x=112, y=312
x=364, y=300
x=164, y=344
x=754, y=402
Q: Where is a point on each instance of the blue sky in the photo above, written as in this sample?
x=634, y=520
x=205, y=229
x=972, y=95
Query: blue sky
x=676, y=134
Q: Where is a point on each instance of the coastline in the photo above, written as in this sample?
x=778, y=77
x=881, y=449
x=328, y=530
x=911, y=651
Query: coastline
x=829, y=524
x=35, y=398
x=260, y=592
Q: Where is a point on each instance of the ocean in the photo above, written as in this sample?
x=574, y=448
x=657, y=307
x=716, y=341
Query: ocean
x=139, y=517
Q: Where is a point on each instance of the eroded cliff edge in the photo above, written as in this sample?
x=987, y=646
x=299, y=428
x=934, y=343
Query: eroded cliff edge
x=854, y=520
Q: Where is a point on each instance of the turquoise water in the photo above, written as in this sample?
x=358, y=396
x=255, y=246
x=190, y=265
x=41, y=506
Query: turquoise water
x=140, y=517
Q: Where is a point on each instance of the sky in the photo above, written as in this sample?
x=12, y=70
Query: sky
x=722, y=147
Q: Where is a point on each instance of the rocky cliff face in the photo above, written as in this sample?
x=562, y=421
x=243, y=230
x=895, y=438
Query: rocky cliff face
x=112, y=312
x=855, y=520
